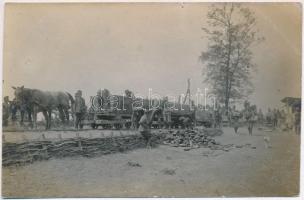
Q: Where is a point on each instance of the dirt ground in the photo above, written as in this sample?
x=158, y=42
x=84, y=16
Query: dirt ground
x=252, y=170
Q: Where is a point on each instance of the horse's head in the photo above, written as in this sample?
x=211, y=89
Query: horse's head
x=19, y=94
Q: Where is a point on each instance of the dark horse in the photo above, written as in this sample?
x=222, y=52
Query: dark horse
x=34, y=101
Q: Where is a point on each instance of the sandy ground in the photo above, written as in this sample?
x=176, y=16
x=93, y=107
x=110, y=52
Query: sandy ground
x=168, y=171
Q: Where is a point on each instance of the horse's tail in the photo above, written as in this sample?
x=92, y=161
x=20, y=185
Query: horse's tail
x=71, y=98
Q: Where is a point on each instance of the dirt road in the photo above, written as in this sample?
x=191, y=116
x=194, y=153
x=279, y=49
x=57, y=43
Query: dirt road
x=250, y=170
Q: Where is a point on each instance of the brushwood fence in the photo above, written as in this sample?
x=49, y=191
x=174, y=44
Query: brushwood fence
x=31, y=151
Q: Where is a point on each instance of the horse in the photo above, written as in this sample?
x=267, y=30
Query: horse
x=44, y=101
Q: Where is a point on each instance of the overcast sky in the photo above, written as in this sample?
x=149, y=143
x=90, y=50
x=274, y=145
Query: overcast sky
x=135, y=46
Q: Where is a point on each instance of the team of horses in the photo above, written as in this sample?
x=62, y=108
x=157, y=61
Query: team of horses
x=33, y=101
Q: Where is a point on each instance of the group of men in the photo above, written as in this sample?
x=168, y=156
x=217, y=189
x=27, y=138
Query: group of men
x=249, y=114
x=9, y=111
x=279, y=118
x=274, y=118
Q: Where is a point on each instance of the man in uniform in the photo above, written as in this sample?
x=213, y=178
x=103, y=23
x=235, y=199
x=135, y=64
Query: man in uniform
x=79, y=108
x=166, y=111
x=144, y=128
x=5, y=111
x=275, y=118
x=14, y=108
x=250, y=116
x=217, y=118
x=260, y=117
x=234, y=118
x=269, y=117
x=297, y=122
x=99, y=99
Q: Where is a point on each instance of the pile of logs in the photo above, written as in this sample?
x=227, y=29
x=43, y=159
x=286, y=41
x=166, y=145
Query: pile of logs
x=191, y=138
x=30, y=151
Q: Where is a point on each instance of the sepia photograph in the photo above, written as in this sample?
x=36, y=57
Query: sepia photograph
x=151, y=99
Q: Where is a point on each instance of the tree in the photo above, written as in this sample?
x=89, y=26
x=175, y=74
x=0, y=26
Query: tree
x=231, y=32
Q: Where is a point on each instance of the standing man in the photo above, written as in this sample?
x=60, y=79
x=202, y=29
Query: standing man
x=79, y=108
x=217, y=117
x=144, y=128
x=187, y=122
x=234, y=117
x=98, y=100
x=166, y=111
x=5, y=111
x=283, y=119
x=275, y=118
x=269, y=117
x=167, y=117
x=297, y=122
x=260, y=117
x=249, y=114
x=14, y=108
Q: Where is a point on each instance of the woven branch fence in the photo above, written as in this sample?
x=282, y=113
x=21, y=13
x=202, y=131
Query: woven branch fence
x=30, y=151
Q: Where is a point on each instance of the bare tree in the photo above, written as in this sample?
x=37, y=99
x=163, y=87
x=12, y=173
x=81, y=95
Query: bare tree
x=231, y=31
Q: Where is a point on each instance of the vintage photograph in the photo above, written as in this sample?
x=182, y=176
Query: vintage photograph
x=151, y=99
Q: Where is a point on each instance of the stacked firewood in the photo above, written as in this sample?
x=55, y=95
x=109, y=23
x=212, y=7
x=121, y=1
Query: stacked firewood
x=193, y=139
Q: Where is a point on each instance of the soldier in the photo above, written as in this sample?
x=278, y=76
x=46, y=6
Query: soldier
x=275, y=118
x=260, y=117
x=144, y=128
x=279, y=116
x=187, y=123
x=166, y=113
x=297, y=121
x=14, y=108
x=250, y=116
x=136, y=115
x=234, y=117
x=269, y=117
x=98, y=101
x=184, y=122
x=79, y=108
x=5, y=111
x=217, y=118
x=283, y=119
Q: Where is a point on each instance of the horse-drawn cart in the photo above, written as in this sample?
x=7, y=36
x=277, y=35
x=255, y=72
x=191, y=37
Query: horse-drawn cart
x=108, y=119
